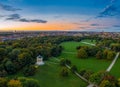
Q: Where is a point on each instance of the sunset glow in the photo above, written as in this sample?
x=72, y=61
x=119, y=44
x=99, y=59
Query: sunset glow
x=59, y=15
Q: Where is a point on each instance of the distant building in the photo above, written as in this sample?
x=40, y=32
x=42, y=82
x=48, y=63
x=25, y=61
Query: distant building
x=40, y=60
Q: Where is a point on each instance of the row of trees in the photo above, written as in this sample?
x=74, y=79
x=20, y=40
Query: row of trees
x=85, y=52
x=109, y=43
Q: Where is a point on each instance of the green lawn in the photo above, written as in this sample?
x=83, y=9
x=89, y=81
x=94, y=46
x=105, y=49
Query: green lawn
x=116, y=69
x=71, y=46
x=90, y=63
x=48, y=76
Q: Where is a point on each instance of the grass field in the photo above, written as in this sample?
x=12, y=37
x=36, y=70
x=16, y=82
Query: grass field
x=71, y=45
x=116, y=69
x=48, y=76
x=90, y=63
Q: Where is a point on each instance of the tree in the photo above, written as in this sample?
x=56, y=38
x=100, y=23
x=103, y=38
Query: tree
x=115, y=47
x=105, y=53
x=16, y=45
x=110, y=55
x=82, y=53
x=25, y=59
x=10, y=67
x=92, y=51
x=56, y=50
x=64, y=72
x=74, y=68
x=68, y=62
x=2, y=53
x=3, y=82
x=105, y=83
x=87, y=74
x=62, y=62
x=14, y=54
x=97, y=77
x=14, y=83
x=30, y=70
x=82, y=72
x=99, y=55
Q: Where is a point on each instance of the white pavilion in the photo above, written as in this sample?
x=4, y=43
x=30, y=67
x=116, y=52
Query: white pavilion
x=40, y=60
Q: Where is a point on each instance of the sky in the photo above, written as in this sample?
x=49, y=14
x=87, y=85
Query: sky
x=60, y=15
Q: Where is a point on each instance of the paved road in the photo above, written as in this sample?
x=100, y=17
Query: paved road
x=113, y=62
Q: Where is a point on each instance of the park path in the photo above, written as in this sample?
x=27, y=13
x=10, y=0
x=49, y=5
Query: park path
x=113, y=62
x=78, y=75
x=88, y=43
x=75, y=72
x=81, y=77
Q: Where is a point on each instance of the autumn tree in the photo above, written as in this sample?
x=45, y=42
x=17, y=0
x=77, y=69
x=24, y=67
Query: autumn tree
x=82, y=53
x=3, y=82
x=64, y=72
x=99, y=55
x=110, y=55
x=14, y=83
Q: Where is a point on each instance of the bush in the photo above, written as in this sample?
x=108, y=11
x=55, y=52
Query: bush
x=97, y=77
x=74, y=69
x=82, y=72
x=68, y=62
x=87, y=74
x=64, y=72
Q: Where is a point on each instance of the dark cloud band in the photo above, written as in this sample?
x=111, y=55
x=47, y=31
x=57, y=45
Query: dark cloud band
x=17, y=17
